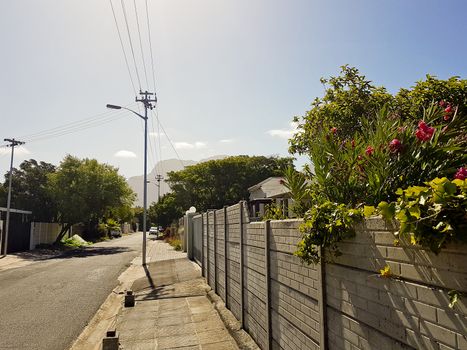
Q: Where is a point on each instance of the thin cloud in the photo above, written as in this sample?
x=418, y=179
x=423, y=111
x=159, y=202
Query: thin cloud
x=155, y=134
x=187, y=145
x=226, y=141
x=125, y=154
x=284, y=133
x=19, y=151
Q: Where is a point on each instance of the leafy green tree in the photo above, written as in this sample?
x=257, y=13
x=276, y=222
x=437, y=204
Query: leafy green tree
x=411, y=103
x=30, y=191
x=86, y=191
x=216, y=183
x=349, y=102
x=166, y=211
x=351, y=105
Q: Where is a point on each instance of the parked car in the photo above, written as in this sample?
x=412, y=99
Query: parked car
x=154, y=231
x=116, y=232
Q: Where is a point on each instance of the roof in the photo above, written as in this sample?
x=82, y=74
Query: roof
x=17, y=211
x=272, y=187
x=258, y=185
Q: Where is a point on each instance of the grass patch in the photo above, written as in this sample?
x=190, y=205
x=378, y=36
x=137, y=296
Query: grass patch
x=75, y=242
x=174, y=242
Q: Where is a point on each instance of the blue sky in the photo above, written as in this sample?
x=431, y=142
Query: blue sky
x=230, y=75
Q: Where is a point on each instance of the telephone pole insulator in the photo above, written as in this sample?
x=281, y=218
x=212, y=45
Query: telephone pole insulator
x=158, y=179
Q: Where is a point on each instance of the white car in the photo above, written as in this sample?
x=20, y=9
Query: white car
x=154, y=231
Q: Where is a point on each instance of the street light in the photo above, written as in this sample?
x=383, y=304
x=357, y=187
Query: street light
x=145, y=118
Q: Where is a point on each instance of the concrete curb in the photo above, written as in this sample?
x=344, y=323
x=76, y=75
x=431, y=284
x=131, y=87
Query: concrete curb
x=242, y=338
x=106, y=317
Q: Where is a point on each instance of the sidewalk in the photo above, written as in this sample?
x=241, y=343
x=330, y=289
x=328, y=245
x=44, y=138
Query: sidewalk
x=172, y=309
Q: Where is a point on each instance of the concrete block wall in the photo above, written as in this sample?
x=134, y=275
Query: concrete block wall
x=346, y=304
x=410, y=310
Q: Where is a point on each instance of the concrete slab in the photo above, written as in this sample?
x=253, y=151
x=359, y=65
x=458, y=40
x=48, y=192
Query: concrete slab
x=177, y=341
x=172, y=309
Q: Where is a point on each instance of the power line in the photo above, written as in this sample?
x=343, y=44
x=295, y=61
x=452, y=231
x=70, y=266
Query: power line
x=150, y=47
x=123, y=47
x=170, y=141
x=77, y=123
x=141, y=43
x=86, y=123
x=131, y=42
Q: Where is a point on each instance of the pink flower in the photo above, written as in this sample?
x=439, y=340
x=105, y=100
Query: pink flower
x=424, y=132
x=461, y=173
x=369, y=150
x=395, y=146
x=446, y=117
x=442, y=103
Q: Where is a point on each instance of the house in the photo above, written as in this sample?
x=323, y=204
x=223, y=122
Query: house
x=269, y=191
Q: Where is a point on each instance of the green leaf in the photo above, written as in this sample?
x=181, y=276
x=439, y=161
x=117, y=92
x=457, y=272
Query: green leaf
x=415, y=211
x=454, y=297
x=368, y=210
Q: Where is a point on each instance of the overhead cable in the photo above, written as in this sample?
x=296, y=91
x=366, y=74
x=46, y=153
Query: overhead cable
x=150, y=47
x=141, y=44
x=123, y=48
x=131, y=42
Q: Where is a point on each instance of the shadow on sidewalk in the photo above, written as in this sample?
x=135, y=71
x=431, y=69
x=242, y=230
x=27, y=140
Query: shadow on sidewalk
x=176, y=278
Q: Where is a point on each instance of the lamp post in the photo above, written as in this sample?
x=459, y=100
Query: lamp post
x=147, y=104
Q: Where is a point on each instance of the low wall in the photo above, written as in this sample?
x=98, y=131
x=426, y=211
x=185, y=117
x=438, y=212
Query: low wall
x=285, y=304
x=43, y=233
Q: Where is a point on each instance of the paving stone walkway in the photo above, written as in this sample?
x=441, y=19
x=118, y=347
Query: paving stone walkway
x=172, y=310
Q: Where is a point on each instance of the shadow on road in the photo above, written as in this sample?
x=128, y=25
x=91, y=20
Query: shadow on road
x=49, y=254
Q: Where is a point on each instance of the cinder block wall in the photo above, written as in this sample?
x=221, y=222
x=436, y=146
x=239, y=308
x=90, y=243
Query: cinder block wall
x=285, y=304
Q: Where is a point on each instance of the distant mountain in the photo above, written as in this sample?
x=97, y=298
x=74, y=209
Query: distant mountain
x=162, y=168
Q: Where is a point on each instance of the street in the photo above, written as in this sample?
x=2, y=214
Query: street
x=47, y=304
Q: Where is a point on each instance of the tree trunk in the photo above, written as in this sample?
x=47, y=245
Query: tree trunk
x=64, y=230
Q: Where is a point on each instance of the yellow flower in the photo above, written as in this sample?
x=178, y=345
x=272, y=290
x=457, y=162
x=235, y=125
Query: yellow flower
x=385, y=272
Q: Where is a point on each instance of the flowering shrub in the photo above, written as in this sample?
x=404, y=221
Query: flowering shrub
x=365, y=144
x=431, y=215
x=391, y=153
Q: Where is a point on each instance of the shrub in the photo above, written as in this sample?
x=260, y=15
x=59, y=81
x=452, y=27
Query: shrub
x=431, y=215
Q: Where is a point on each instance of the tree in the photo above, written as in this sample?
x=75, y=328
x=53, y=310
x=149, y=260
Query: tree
x=86, y=191
x=216, y=183
x=351, y=105
x=30, y=191
x=349, y=102
x=166, y=211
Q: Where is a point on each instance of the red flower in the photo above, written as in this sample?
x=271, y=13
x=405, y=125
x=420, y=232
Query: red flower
x=424, y=132
x=442, y=103
x=333, y=130
x=359, y=157
x=446, y=117
x=448, y=109
x=395, y=146
x=461, y=173
x=353, y=143
x=369, y=150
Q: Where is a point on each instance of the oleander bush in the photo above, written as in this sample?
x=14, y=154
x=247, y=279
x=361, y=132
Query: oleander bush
x=367, y=147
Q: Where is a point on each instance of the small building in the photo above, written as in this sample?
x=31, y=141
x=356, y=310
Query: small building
x=269, y=191
x=19, y=229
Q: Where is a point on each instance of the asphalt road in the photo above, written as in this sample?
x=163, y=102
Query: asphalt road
x=47, y=304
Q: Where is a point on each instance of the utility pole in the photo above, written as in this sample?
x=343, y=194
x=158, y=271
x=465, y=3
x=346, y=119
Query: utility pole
x=158, y=179
x=147, y=100
x=12, y=144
